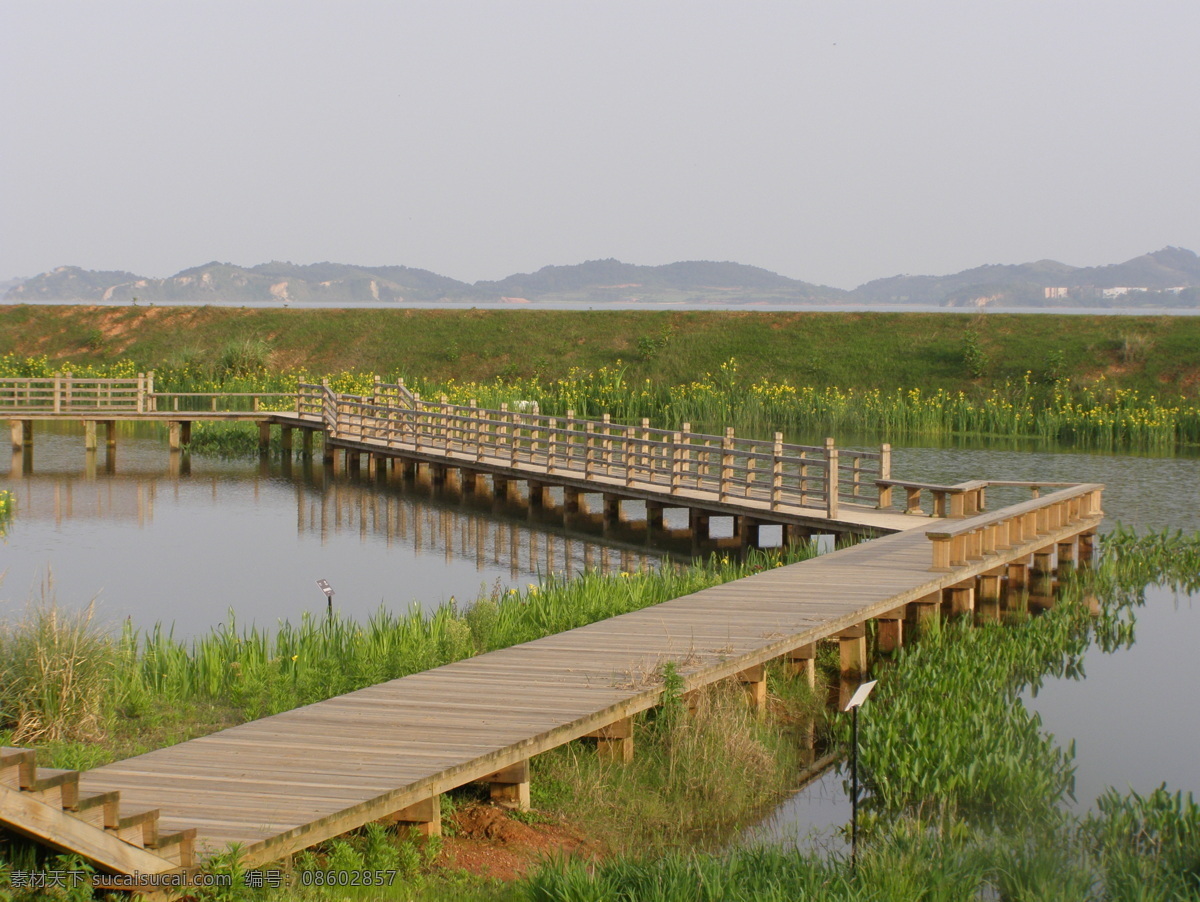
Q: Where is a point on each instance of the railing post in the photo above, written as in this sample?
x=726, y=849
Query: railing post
x=151, y=400
x=552, y=445
x=676, y=461
x=645, y=449
x=777, y=471
x=474, y=427
x=831, y=479
x=56, y=403
x=569, y=426
x=141, y=393
x=629, y=456
x=588, y=442
x=606, y=444
x=726, y=463
x=686, y=456
x=885, y=472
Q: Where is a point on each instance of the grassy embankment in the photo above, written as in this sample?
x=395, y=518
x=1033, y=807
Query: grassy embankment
x=971, y=810
x=1110, y=382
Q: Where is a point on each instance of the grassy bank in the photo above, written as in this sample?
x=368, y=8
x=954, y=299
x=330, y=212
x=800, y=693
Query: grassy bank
x=885, y=351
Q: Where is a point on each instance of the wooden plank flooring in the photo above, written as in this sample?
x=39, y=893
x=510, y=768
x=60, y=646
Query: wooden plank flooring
x=284, y=782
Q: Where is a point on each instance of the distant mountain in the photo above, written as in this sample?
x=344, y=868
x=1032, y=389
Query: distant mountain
x=1170, y=276
x=1044, y=283
x=266, y=283
x=610, y=279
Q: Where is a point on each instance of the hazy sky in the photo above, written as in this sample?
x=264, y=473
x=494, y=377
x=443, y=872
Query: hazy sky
x=834, y=141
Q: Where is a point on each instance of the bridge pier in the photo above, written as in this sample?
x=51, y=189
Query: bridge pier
x=754, y=681
x=852, y=652
x=889, y=631
x=285, y=438
x=306, y=442
x=802, y=662
x=746, y=531
x=961, y=599
x=615, y=741
x=424, y=816
x=264, y=436
x=795, y=535
x=654, y=516
x=539, y=493
x=22, y=433
x=611, y=514
x=698, y=524
x=179, y=433
x=509, y=786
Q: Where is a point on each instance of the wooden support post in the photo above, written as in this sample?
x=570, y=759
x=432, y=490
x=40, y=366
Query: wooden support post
x=746, y=529
x=1043, y=562
x=1066, y=555
x=654, y=516
x=22, y=433
x=539, y=493
x=698, y=524
x=852, y=646
x=437, y=474
x=306, y=442
x=570, y=500
x=1087, y=547
x=110, y=434
x=754, y=680
x=1018, y=575
x=889, y=634
x=885, y=472
x=425, y=816
x=802, y=662
x=796, y=535
x=89, y=435
x=961, y=599
x=264, y=437
x=499, y=487
x=988, y=592
x=925, y=609
x=615, y=741
x=179, y=433
x=285, y=438
x=509, y=786
x=612, y=509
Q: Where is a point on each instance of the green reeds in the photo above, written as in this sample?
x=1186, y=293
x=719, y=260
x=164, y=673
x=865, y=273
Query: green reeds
x=8, y=506
x=1091, y=414
x=55, y=675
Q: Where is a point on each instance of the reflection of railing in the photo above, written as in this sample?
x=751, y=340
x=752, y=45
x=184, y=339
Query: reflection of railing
x=726, y=465
x=458, y=533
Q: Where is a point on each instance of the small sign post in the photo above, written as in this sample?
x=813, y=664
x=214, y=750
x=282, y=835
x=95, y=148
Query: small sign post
x=323, y=585
x=856, y=700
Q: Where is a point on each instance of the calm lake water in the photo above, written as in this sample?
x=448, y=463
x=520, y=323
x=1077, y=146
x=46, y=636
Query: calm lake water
x=156, y=545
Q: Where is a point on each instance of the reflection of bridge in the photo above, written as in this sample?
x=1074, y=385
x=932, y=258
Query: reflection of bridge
x=278, y=785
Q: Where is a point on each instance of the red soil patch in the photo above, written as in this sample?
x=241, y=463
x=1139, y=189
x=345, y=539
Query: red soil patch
x=489, y=843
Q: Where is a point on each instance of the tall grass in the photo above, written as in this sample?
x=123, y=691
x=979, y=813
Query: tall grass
x=64, y=678
x=56, y=675
x=1094, y=414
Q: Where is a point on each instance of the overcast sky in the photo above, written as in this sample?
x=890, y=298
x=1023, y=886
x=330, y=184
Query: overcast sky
x=834, y=141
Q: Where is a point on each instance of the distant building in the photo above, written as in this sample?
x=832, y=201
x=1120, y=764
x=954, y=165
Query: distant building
x=1058, y=292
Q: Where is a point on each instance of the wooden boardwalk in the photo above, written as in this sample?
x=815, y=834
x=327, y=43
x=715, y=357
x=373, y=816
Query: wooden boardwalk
x=280, y=784
x=285, y=782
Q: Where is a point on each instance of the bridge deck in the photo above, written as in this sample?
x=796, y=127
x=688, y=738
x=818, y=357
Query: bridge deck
x=284, y=782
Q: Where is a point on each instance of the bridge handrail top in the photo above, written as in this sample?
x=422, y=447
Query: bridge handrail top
x=971, y=524
x=956, y=489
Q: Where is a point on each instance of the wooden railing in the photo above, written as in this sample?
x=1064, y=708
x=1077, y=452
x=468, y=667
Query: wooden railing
x=682, y=460
x=974, y=538
x=64, y=393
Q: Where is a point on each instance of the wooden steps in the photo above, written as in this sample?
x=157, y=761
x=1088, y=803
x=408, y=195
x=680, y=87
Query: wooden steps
x=46, y=804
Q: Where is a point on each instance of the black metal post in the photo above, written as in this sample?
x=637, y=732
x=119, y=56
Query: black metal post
x=854, y=796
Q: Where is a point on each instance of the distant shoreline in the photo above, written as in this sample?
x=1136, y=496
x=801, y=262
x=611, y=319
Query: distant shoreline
x=625, y=306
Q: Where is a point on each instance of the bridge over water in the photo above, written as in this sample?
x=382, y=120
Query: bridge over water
x=282, y=783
